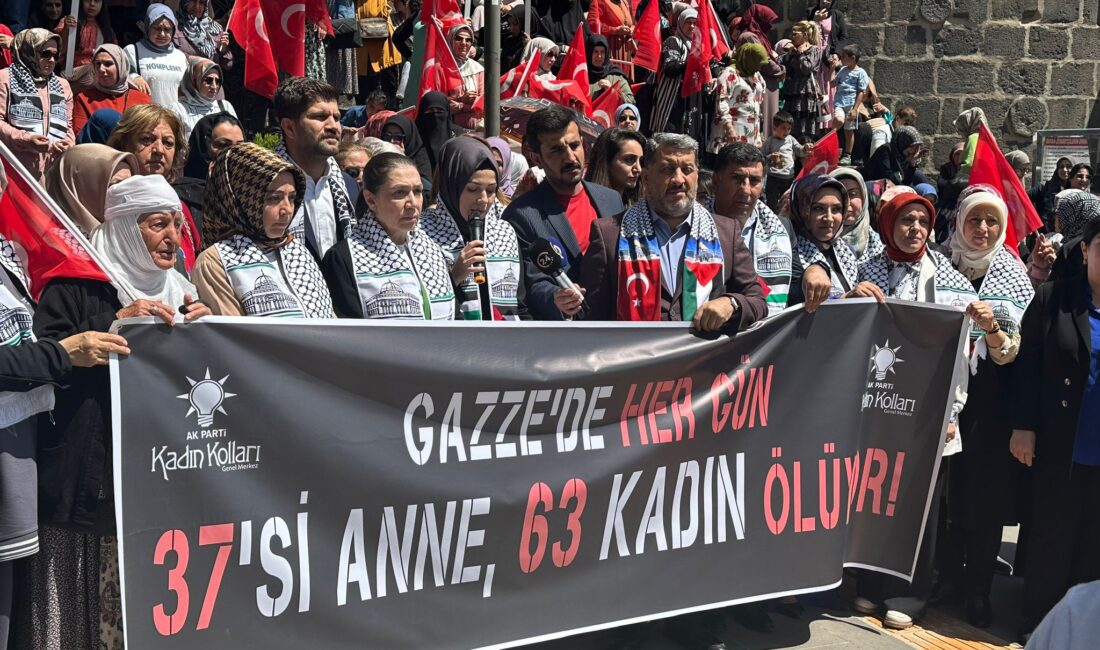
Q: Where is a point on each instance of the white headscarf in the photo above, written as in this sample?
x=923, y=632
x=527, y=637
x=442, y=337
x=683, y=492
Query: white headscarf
x=119, y=240
x=968, y=260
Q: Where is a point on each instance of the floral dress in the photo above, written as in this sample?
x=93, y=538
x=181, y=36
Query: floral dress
x=740, y=102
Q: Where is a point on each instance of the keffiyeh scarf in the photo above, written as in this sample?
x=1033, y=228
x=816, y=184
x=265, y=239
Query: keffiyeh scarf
x=843, y=267
x=639, y=291
x=25, y=109
x=341, y=202
x=769, y=242
x=899, y=279
x=400, y=282
x=284, y=282
x=502, y=268
x=1008, y=290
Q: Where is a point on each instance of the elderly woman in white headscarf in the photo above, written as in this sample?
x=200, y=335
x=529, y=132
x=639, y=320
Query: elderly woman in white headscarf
x=461, y=39
x=984, y=477
x=137, y=243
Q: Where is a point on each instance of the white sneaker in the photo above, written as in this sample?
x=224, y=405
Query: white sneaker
x=901, y=612
x=864, y=605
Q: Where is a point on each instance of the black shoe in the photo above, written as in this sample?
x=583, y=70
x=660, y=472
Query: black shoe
x=753, y=617
x=979, y=612
x=689, y=632
x=944, y=593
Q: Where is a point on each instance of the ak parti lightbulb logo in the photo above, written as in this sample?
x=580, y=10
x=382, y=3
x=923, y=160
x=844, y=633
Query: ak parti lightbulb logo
x=883, y=360
x=206, y=396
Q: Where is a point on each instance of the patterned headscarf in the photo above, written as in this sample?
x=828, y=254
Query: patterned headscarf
x=199, y=32
x=190, y=86
x=26, y=46
x=803, y=193
x=888, y=216
x=235, y=192
x=1075, y=211
x=966, y=124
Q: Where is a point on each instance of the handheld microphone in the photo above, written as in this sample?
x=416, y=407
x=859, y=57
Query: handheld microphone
x=548, y=258
x=477, y=233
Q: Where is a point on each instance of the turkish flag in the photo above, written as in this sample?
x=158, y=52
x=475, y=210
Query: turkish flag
x=697, y=71
x=566, y=92
x=648, y=36
x=825, y=156
x=247, y=25
x=53, y=246
x=991, y=168
x=440, y=71
x=575, y=66
x=719, y=42
x=317, y=14
x=603, y=109
x=447, y=12
x=639, y=290
x=514, y=82
x=286, y=27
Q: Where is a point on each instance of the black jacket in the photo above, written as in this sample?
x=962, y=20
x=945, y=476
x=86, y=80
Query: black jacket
x=74, y=441
x=1051, y=372
x=539, y=214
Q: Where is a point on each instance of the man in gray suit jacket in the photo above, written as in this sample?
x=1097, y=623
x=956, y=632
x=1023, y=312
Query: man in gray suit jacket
x=561, y=209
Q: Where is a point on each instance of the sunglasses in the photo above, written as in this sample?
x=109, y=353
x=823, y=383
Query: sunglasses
x=353, y=171
x=212, y=81
x=48, y=54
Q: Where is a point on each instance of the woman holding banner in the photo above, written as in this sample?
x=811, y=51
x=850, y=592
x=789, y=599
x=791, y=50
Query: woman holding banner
x=254, y=267
x=43, y=128
x=74, y=579
x=388, y=267
x=983, y=479
x=909, y=270
x=469, y=181
x=818, y=205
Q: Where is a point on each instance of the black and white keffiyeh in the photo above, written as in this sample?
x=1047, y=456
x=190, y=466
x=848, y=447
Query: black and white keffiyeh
x=503, y=262
x=25, y=109
x=950, y=288
x=400, y=282
x=841, y=261
x=340, y=200
x=291, y=287
x=770, y=244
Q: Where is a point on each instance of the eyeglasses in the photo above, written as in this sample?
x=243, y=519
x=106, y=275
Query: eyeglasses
x=163, y=29
x=48, y=54
x=212, y=81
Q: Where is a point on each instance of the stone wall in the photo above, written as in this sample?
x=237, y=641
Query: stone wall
x=1030, y=64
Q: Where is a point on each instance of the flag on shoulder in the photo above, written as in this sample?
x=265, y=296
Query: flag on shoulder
x=47, y=242
x=990, y=167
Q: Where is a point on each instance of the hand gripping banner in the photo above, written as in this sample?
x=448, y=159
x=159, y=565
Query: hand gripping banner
x=407, y=485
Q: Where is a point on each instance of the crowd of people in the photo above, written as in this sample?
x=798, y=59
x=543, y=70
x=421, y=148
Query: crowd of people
x=359, y=210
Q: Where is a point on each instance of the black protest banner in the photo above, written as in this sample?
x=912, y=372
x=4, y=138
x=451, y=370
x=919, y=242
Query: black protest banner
x=403, y=485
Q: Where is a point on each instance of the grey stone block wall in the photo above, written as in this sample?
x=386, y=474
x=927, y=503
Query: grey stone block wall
x=1030, y=64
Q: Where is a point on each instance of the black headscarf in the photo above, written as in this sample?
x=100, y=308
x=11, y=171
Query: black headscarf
x=561, y=20
x=435, y=128
x=595, y=72
x=511, y=47
x=459, y=158
x=198, y=160
x=414, y=146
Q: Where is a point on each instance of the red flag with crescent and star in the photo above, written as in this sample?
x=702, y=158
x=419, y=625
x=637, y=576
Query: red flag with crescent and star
x=514, y=82
x=824, y=158
x=286, y=27
x=648, y=37
x=247, y=26
x=440, y=70
x=447, y=12
x=575, y=66
x=991, y=168
x=697, y=72
x=639, y=290
x=603, y=109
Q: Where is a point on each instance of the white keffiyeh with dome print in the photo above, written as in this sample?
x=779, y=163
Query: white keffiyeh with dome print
x=284, y=282
x=502, y=268
x=411, y=282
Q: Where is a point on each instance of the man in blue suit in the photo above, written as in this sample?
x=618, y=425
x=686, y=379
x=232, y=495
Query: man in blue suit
x=561, y=208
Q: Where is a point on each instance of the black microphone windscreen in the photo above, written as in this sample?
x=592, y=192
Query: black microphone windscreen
x=545, y=257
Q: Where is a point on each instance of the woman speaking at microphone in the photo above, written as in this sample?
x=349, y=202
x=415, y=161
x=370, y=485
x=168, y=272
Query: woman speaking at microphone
x=387, y=267
x=484, y=251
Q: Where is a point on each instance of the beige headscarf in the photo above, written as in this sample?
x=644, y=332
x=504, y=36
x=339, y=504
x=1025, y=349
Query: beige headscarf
x=122, y=64
x=26, y=46
x=78, y=181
